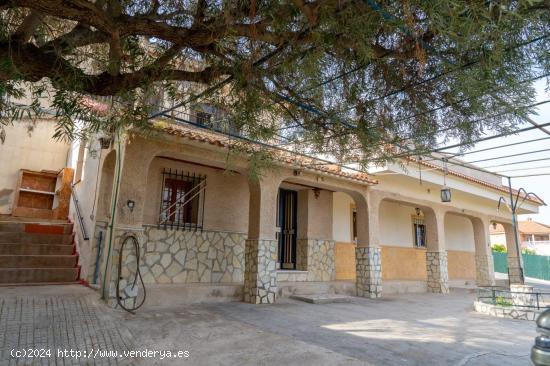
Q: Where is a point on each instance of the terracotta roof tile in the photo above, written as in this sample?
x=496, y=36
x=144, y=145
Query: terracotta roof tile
x=533, y=227
x=299, y=161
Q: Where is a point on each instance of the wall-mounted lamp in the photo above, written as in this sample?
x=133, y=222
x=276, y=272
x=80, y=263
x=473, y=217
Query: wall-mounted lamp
x=131, y=204
x=417, y=210
x=105, y=142
x=494, y=225
x=316, y=192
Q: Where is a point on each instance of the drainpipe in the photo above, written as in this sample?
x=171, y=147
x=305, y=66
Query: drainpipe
x=114, y=202
x=515, y=229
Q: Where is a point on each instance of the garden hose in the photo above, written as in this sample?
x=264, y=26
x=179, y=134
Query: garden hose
x=137, y=274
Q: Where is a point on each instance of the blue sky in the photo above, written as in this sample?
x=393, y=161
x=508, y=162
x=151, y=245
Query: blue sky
x=539, y=185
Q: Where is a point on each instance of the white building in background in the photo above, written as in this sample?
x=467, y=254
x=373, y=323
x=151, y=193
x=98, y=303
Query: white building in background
x=533, y=235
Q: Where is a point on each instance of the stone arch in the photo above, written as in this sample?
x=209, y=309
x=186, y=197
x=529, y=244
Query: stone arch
x=435, y=257
x=513, y=251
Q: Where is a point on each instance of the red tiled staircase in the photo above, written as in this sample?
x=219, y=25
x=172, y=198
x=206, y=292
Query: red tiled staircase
x=37, y=252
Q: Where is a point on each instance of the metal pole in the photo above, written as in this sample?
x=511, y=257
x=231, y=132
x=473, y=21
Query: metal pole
x=515, y=229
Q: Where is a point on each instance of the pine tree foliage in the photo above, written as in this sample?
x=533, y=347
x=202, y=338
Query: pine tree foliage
x=350, y=78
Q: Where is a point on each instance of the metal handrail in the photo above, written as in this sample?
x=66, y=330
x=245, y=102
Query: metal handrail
x=80, y=217
x=161, y=221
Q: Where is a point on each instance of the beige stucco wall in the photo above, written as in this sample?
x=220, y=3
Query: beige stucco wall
x=88, y=198
x=341, y=217
x=24, y=149
x=403, y=263
x=459, y=234
x=480, y=199
x=344, y=261
x=396, y=224
x=461, y=265
x=226, y=200
x=314, y=214
x=499, y=238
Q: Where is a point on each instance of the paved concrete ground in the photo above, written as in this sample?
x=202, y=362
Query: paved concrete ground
x=541, y=285
x=419, y=329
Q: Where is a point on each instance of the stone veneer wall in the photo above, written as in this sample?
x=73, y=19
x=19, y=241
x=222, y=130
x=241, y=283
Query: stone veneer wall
x=176, y=256
x=369, y=272
x=316, y=256
x=438, y=276
x=485, y=275
x=510, y=312
x=260, y=282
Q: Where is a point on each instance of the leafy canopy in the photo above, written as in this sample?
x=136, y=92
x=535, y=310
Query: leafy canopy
x=346, y=77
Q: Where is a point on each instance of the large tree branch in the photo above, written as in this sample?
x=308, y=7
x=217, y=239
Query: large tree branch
x=27, y=27
x=80, y=35
x=32, y=64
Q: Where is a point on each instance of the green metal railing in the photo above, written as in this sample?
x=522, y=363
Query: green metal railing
x=536, y=266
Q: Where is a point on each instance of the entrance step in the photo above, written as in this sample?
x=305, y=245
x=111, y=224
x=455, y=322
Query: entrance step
x=35, y=227
x=36, y=275
x=38, y=261
x=35, y=238
x=36, y=249
x=323, y=298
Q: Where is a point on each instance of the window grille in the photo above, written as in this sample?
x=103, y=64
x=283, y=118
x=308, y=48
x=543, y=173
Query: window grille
x=419, y=231
x=182, y=200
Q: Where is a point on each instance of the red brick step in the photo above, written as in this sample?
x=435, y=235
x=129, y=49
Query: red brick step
x=38, y=261
x=35, y=275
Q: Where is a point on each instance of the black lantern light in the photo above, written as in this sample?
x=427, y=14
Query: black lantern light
x=445, y=194
x=445, y=191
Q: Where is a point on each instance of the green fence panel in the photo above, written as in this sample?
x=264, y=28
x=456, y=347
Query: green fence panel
x=501, y=262
x=536, y=266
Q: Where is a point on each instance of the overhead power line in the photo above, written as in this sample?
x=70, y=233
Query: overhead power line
x=522, y=169
x=502, y=146
x=508, y=156
x=516, y=163
x=529, y=175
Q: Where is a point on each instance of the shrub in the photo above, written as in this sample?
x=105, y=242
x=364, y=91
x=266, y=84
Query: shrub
x=499, y=248
x=528, y=251
x=502, y=301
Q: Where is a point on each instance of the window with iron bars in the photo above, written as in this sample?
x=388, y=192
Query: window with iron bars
x=182, y=199
x=419, y=231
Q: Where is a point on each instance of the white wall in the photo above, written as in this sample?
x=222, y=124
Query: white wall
x=498, y=239
x=35, y=150
x=396, y=224
x=459, y=233
x=341, y=217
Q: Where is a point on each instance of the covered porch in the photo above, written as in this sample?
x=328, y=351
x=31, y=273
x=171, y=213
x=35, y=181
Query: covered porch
x=207, y=233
